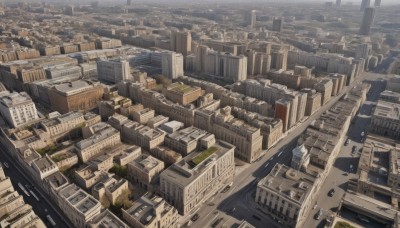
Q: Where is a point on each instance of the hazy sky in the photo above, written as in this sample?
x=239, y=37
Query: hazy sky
x=384, y=2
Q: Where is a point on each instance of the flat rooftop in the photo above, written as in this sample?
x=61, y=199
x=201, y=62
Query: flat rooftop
x=74, y=87
x=97, y=137
x=288, y=183
x=146, y=162
x=182, y=88
x=387, y=110
x=145, y=209
x=188, y=135
x=15, y=98
x=185, y=171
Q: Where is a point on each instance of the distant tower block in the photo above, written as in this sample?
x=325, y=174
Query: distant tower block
x=338, y=3
x=128, y=2
x=377, y=3
x=277, y=24
x=365, y=4
x=251, y=19
x=367, y=21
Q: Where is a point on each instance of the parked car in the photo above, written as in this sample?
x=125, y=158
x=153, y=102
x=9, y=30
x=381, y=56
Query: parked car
x=347, y=142
x=256, y=217
x=353, y=149
x=226, y=189
x=195, y=217
x=318, y=215
x=331, y=192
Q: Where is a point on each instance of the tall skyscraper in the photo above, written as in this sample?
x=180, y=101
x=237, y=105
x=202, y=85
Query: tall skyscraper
x=365, y=4
x=251, y=19
x=181, y=42
x=377, y=3
x=172, y=64
x=338, y=3
x=367, y=21
x=128, y=2
x=277, y=24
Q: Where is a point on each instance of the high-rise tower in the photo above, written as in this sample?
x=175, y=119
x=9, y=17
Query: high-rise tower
x=364, y=4
x=367, y=21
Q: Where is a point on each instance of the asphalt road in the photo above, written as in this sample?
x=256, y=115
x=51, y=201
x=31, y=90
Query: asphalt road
x=238, y=203
x=337, y=177
x=42, y=208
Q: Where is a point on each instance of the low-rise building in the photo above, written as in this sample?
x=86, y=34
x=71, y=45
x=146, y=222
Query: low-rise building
x=194, y=179
x=157, y=121
x=386, y=119
x=61, y=125
x=172, y=126
x=186, y=140
x=183, y=94
x=18, y=109
x=87, y=178
x=141, y=135
x=111, y=189
x=285, y=195
x=77, y=95
x=143, y=116
x=246, y=138
x=145, y=171
x=151, y=211
x=107, y=219
x=44, y=167
x=127, y=155
x=77, y=205
x=166, y=155
x=90, y=147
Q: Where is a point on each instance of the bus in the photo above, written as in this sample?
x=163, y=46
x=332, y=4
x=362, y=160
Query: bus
x=51, y=221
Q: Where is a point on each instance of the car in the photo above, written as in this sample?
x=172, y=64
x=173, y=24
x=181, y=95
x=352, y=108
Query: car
x=318, y=215
x=353, y=149
x=6, y=165
x=362, y=134
x=226, y=189
x=347, y=142
x=331, y=192
x=256, y=217
x=218, y=221
x=195, y=217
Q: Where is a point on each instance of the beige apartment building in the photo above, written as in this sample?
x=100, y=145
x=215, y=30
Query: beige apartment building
x=145, y=171
x=386, y=119
x=141, y=135
x=92, y=146
x=186, y=140
x=166, y=155
x=189, y=182
x=61, y=125
x=151, y=211
x=75, y=96
x=285, y=195
x=111, y=189
x=107, y=219
x=246, y=138
x=77, y=205
x=183, y=94
x=143, y=116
